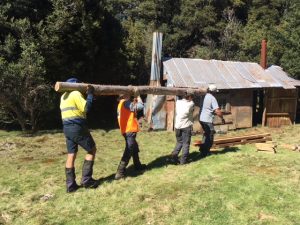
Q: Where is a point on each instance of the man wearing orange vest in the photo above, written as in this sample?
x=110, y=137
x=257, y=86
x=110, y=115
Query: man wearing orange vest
x=127, y=118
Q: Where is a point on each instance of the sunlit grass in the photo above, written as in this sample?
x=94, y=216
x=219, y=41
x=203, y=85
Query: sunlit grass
x=233, y=186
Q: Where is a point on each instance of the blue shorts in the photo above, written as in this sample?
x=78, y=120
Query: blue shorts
x=78, y=135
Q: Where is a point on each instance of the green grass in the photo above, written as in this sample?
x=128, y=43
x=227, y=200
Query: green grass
x=233, y=186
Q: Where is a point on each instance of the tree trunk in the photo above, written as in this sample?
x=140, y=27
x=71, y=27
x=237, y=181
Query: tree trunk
x=131, y=90
x=34, y=119
x=20, y=118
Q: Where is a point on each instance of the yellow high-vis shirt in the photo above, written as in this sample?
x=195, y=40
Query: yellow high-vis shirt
x=72, y=106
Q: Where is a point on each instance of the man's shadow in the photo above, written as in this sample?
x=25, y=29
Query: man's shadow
x=130, y=172
x=164, y=161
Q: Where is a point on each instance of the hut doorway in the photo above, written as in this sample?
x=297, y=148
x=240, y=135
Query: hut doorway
x=258, y=107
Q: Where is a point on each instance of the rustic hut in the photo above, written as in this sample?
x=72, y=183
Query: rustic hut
x=250, y=93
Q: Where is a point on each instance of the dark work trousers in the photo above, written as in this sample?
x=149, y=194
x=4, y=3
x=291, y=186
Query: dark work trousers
x=208, y=138
x=131, y=149
x=183, y=138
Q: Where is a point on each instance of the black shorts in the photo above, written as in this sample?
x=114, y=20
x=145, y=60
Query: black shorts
x=78, y=135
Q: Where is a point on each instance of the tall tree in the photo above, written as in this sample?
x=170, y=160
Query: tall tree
x=288, y=37
x=263, y=18
x=24, y=94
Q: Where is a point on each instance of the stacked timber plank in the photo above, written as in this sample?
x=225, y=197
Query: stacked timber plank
x=238, y=140
x=295, y=148
x=268, y=147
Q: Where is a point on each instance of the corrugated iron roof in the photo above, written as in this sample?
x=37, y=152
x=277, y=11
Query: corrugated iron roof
x=183, y=72
x=278, y=73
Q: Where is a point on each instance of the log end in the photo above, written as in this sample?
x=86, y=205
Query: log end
x=57, y=86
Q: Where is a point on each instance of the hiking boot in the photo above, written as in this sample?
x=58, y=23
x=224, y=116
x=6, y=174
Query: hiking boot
x=87, y=171
x=119, y=176
x=71, y=180
x=121, y=170
x=183, y=163
x=91, y=183
x=174, y=159
x=73, y=188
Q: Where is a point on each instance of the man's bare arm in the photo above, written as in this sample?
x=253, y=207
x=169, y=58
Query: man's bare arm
x=219, y=113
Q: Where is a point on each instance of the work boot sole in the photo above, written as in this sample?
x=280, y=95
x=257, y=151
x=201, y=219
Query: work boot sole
x=73, y=189
x=119, y=176
x=91, y=184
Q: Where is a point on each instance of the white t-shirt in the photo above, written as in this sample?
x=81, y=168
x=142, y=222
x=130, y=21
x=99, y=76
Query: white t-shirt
x=210, y=104
x=184, y=113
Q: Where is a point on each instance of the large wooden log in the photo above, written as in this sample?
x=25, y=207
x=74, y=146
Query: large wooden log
x=131, y=90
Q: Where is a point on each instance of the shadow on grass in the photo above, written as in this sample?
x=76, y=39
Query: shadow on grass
x=226, y=150
x=130, y=172
x=166, y=160
x=163, y=161
x=107, y=179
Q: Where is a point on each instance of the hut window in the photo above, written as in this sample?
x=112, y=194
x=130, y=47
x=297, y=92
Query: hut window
x=224, y=104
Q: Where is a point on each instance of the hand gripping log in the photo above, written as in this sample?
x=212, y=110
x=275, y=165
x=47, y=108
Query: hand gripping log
x=130, y=90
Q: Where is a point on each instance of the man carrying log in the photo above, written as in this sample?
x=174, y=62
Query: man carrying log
x=210, y=108
x=127, y=119
x=183, y=128
x=73, y=108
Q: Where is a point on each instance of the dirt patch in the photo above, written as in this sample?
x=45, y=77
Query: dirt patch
x=264, y=170
x=263, y=216
x=42, y=139
x=49, y=161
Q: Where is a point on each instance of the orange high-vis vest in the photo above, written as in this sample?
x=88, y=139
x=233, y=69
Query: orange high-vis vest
x=127, y=119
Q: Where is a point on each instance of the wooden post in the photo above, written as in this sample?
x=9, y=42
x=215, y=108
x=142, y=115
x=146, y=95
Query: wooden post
x=156, y=59
x=264, y=115
x=296, y=105
x=155, y=79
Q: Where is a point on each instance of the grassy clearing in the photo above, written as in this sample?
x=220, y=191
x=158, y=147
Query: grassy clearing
x=233, y=186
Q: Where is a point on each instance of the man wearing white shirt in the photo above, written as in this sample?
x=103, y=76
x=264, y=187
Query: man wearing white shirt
x=183, y=127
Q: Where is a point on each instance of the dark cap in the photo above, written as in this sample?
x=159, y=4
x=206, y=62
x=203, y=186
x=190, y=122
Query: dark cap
x=73, y=80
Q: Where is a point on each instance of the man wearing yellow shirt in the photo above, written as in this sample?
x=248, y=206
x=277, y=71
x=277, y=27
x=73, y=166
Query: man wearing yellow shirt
x=74, y=108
